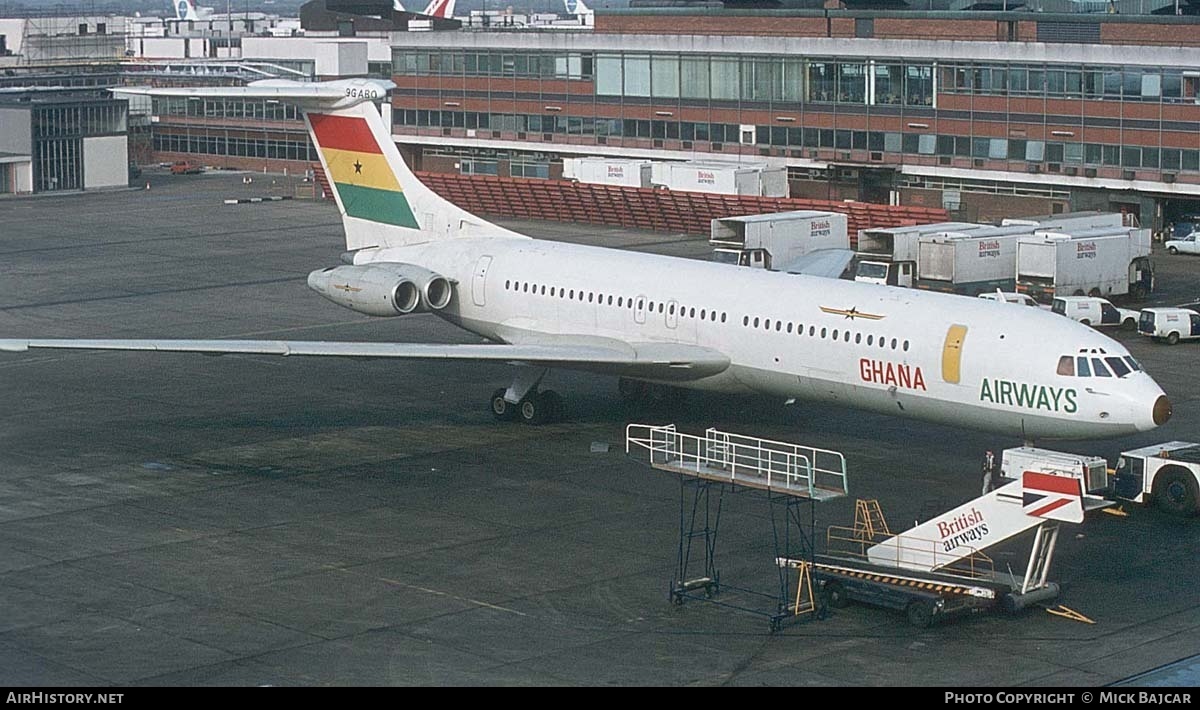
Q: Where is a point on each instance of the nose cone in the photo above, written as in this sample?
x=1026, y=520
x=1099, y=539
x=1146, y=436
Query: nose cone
x=1162, y=410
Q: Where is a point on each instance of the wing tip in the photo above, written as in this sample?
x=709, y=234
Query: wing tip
x=14, y=346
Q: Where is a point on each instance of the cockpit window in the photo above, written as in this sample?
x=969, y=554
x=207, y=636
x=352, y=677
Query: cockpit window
x=1119, y=368
x=1081, y=366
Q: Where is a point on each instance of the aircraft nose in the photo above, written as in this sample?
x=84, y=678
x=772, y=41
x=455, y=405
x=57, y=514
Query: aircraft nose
x=1162, y=410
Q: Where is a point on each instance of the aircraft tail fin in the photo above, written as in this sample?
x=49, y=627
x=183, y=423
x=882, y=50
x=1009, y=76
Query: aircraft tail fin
x=185, y=10
x=440, y=8
x=382, y=202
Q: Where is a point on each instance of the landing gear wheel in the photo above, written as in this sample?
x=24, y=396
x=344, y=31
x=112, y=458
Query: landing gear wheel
x=532, y=409
x=835, y=595
x=540, y=407
x=501, y=409
x=1175, y=491
x=920, y=613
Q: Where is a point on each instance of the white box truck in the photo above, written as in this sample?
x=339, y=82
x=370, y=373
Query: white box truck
x=888, y=255
x=1070, y=221
x=1101, y=262
x=624, y=172
x=750, y=179
x=776, y=240
x=970, y=263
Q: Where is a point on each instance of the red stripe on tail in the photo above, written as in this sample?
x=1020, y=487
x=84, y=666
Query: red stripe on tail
x=343, y=133
x=1032, y=481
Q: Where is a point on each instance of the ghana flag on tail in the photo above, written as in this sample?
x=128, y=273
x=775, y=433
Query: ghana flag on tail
x=359, y=171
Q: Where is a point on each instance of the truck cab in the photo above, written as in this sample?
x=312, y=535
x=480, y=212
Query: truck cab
x=754, y=258
x=1167, y=474
x=889, y=273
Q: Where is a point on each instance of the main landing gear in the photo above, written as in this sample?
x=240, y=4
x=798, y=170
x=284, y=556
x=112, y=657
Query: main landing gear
x=524, y=401
x=536, y=407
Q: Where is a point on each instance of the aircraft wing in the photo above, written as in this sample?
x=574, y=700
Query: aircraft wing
x=659, y=361
x=828, y=263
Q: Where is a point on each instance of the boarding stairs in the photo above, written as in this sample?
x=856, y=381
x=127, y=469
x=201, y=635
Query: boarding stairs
x=948, y=541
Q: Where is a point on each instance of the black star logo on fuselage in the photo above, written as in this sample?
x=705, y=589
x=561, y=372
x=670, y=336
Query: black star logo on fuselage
x=357, y=168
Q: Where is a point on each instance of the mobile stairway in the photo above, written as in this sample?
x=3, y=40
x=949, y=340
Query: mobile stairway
x=939, y=567
x=791, y=477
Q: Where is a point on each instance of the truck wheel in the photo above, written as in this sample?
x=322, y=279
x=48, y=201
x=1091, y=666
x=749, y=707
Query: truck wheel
x=1172, y=250
x=1078, y=292
x=920, y=613
x=1172, y=338
x=1139, y=292
x=835, y=595
x=1175, y=491
x=1129, y=324
x=1094, y=293
x=1085, y=321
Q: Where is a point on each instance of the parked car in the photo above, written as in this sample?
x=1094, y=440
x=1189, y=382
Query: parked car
x=186, y=167
x=1020, y=299
x=1169, y=324
x=1094, y=311
x=1184, y=245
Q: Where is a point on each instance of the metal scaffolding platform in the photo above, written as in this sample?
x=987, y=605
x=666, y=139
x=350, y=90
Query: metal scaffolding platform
x=722, y=457
x=792, y=477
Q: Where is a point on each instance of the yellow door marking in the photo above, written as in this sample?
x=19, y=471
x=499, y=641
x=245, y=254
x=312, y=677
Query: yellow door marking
x=952, y=353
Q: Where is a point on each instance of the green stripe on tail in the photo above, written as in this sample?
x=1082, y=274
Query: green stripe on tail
x=375, y=205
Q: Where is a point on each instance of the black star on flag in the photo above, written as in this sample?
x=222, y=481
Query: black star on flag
x=357, y=167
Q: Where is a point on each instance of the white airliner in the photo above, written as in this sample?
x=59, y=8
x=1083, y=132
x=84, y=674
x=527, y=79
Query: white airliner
x=658, y=320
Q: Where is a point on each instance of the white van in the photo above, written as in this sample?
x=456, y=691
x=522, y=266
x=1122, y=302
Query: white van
x=1019, y=299
x=1170, y=324
x=1094, y=311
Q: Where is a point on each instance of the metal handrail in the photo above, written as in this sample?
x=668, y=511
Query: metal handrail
x=777, y=464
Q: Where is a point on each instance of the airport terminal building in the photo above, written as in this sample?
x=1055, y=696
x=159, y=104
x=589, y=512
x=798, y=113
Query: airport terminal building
x=984, y=113
x=987, y=114
x=62, y=139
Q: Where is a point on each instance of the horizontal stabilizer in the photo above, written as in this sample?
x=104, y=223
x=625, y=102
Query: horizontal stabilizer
x=328, y=95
